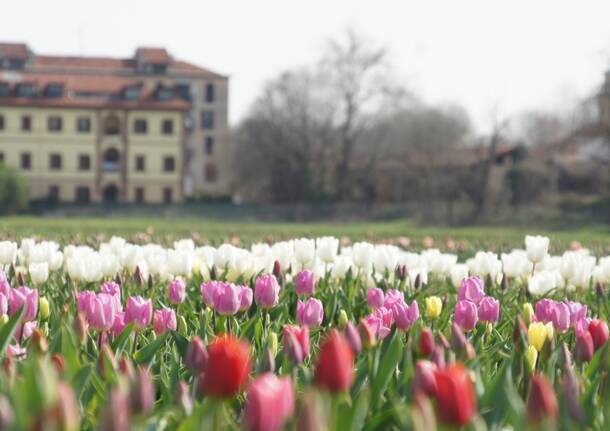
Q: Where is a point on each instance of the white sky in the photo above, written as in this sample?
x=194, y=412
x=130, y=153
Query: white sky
x=517, y=55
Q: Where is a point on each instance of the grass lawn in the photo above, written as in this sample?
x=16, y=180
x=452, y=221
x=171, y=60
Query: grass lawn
x=214, y=231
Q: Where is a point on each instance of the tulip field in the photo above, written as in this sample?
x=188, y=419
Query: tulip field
x=311, y=333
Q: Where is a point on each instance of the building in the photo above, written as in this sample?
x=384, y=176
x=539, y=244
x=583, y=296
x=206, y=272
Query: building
x=144, y=129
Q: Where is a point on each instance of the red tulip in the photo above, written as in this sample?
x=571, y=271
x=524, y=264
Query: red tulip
x=583, y=349
x=455, y=396
x=227, y=367
x=599, y=331
x=335, y=366
x=424, y=380
x=426, y=342
x=542, y=402
x=270, y=401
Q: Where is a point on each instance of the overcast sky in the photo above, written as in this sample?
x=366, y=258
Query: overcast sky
x=517, y=55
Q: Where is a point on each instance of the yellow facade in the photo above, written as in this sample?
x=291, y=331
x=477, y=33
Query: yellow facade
x=155, y=183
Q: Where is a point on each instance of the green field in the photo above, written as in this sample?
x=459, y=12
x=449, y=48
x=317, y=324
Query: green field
x=214, y=231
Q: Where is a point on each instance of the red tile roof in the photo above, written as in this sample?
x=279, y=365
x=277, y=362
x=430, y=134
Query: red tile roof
x=154, y=55
x=14, y=50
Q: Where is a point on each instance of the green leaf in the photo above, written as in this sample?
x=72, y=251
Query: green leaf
x=81, y=379
x=146, y=353
x=120, y=343
x=386, y=367
x=182, y=343
x=7, y=331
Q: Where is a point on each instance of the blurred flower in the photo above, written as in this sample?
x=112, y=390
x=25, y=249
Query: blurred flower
x=542, y=403
x=380, y=321
x=426, y=342
x=583, y=348
x=266, y=291
x=163, y=320
x=531, y=355
x=119, y=323
x=528, y=313
x=269, y=403
x=138, y=310
x=599, y=332
x=39, y=272
x=375, y=297
x=142, y=393
x=434, y=307
x=26, y=297
x=296, y=342
x=537, y=334
x=466, y=314
x=404, y=315
x=305, y=282
x=177, y=291
x=227, y=368
x=537, y=247
x=304, y=250
x=310, y=313
x=471, y=289
x=352, y=335
x=542, y=282
x=367, y=334
x=196, y=355
x=455, y=395
x=489, y=309
x=335, y=364
x=8, y=252
x=424, y=379
x=3, y=304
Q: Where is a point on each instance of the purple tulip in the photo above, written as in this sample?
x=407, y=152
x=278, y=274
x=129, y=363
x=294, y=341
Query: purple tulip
x=392, y=297
x=471, y=289
x=24, y=331
x=119, y=323
x=352, y=335
x=405, y=315
x=163, y=320
x=209, y=290
x=114, y=290
x=101, y=312
x=196, y=355
x=380, y=321
x=310, y=313
x=3, y=304
x=375, y=297
x=577, y=311
x=138, y=310
x=177, y=291
x=83, y=299
x=489, y=309
x=560, y=316
x=23, y=296
x=266, y=291
x=544, y=310
x=582, y=325
x=5, y=286
x=227, y=301
x=466, y=314
x=245, y=298
x=305, y=282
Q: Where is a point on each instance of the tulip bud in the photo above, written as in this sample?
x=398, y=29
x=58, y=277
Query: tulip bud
x=183, y=398
x=531, y=355
x=505, y=282
x=138, y=277
x=277, y=269
x=106, y=360
x=342, y=319
x=367, y=335
x=20, y=279
x=58, y=361
x=426, y=342
x=43, y=307
x=353, y=337
x=599, y=289
x=442, y=340
x=66, y=409
x=542, y=403
x=182, y=327
x=39, y=342
x=550, y=331
x=272, y=342
x=488, y=280
x=196, y=355
x=116, y=413
x=489, y=329
x=3, y=320
x=292, y=347
x=438, y=357
x=142, y=394
x=81, y=327
x=583, y=349
x=150, y=282
x=528, y=313
x=401, y=272
x=7, y=415
x=126, y=368
x=571, y=390
x=117, y=279
x=267, y=362
x=417, y=283
x=335, y=365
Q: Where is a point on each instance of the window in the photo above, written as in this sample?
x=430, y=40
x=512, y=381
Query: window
x=112, y=125
x=140, y=163
x=82, y=194
x=26, y=161
x=169, y=165
x=211, y=172
x=209, y=145
x=4, y=89
x=207, y=120
x=53, y=193
x=112, y=160
x=139, y=195
x=168, y=127
x=167, y=195
x=26, y=90
x=1, y=122
x=209, y=93
x=164, y=93
x=184, y=91
x=132, y=93
x=54, y=124
x=54, y=91
x=83, y=124
x=55, y=162
x=26, y=123
x=140, y=126
x=84, y=162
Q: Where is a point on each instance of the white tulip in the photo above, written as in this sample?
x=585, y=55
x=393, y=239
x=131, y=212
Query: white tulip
x=179, y=263
x=485, y=264
x=537, y=247
x=340, y=267
x=304, y=250
x=224, y=256
x=186, y=245
x=39, y=272
x=516, y=264
x=542, y=282
x=327, y=248
x=8, y=252
x=386, y=258
x=457, y=273
x=363, y=254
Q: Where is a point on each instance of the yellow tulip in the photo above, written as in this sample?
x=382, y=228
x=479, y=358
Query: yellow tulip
x=43, y=307
x=528, y=313
x=536, y=334
x=434, y=306
x=531, y=355
x=550, y=331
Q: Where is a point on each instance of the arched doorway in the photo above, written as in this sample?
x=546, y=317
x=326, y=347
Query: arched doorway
x=112, y=125
x=110, y=193
x=112, y=160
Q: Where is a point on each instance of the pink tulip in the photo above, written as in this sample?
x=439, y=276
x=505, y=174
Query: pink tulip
x=424, y=380
x=209, y=290
x=5, y=286
x=245, y=298
x=392, y=297
x=113, y=289
x=119, y=323
x=101, y=311
x=177, y=291
x=577, y=311
x=16, y=351
x=196, y=355
x=305, y=282
x=471, y=289
x=83, y=299
x=352, y=335
x=560, y=316
x=404, y=315
x=296, y=342
x=375, y=297
x=23, y=296
x=3, y=304
x=24, y=330
x=583, y=348
x=227, y=300
x=269, y=403
x=544, y=309
x=380, y=321
x=466, y=315
x=139, y=310
x=266, y=291
x=163, y=320
x=310, y=313
x=489, y=309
